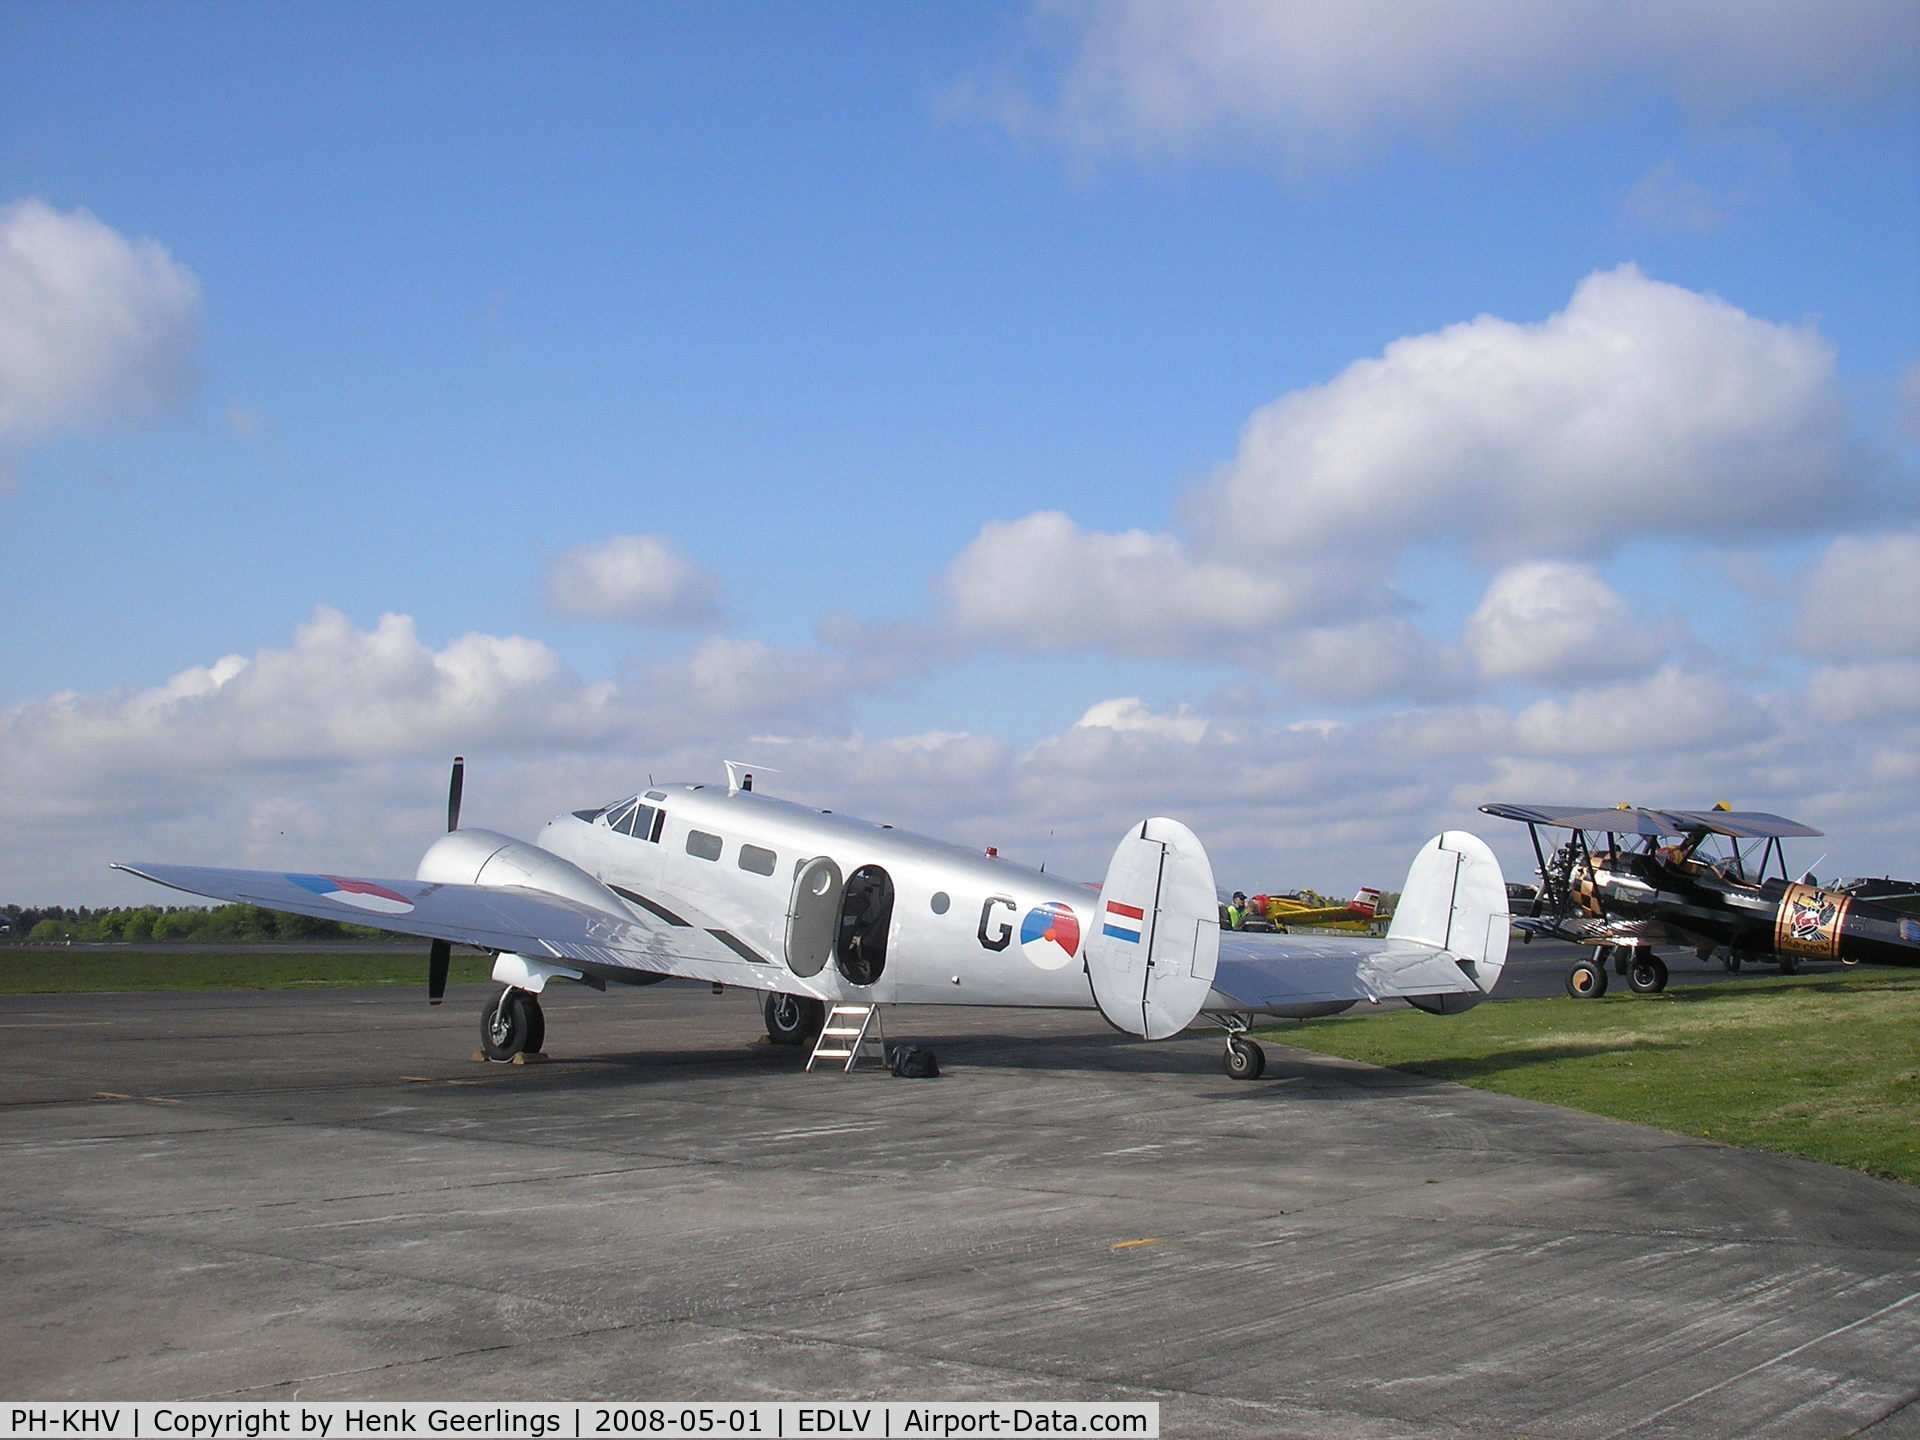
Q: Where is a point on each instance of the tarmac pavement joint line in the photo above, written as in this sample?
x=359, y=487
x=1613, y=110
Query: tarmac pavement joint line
x=1783, y=1356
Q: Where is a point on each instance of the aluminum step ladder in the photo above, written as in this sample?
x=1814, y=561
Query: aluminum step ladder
x=849, y=1031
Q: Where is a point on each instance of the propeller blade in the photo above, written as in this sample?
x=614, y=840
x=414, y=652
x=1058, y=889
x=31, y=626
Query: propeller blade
x=454, y=787
x=437, y=961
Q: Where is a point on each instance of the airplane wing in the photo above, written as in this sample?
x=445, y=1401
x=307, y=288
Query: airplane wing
x=656, y=939
x=1279, y=972
x=1737, y=824
x=1573, y=817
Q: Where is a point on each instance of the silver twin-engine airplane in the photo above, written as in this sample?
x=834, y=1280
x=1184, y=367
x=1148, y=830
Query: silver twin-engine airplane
x=722, y=884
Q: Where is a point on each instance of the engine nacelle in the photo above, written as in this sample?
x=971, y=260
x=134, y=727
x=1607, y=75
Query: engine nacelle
x=484, y=857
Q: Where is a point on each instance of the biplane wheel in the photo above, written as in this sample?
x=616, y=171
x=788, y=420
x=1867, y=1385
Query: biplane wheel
x=1734, y=961
x=511, y=1023
x=1244, y=1059
x=1587, y=980
x=1647, y=974
x=793, y=1019
x=1789, y=965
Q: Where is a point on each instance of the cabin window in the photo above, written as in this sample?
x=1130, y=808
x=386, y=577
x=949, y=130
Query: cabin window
x=758, y=859
x=940, y=902
x=703, y=846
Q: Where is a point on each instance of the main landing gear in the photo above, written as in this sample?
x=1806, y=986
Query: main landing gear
x=1244, y=1059
x=511, y=1024
x=793, y=1019
x=1587, y=980
x=1645, y=972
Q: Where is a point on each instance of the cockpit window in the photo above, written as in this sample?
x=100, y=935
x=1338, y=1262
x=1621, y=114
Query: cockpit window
x=630, y=817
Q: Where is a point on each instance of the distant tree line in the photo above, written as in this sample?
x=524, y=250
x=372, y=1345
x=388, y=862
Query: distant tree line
x=145, y=923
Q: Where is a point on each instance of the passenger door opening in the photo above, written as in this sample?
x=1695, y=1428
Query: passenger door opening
x=866, y=914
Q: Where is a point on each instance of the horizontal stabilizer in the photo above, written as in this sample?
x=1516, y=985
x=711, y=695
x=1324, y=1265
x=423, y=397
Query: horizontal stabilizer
x=1442, y=953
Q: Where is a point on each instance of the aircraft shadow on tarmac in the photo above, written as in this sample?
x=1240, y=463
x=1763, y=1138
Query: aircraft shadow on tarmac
x=1465, y=1070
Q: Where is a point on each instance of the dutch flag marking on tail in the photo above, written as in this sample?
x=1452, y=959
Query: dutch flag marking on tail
x=1124, y=922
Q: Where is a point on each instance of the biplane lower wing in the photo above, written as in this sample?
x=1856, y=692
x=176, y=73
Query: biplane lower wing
x=541, y=927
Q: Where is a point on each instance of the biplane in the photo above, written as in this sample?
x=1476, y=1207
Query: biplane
x=1628, y=879
x=822, y=912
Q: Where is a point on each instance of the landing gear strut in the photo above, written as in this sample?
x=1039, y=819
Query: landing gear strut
x=511, y=1024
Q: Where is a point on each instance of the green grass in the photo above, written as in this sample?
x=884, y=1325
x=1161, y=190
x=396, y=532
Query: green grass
x=81, y=971
x=1826, y=1067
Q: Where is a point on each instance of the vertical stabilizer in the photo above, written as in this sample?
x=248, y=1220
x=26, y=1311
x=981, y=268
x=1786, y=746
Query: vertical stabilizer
x=1153, y=950
x=1456, y=898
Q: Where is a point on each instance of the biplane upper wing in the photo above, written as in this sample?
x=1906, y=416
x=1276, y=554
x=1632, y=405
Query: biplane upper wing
x=1614, y=819
x=1634, y=820
x=665, y=937
x=1737, y=824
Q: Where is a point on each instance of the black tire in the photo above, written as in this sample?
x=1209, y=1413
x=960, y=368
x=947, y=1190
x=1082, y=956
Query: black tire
x=1244, y=1059
x=1789, y=965
x=1647, y=974
x=511, y=1023
x=793, y=1019
x=1587, y=980
x=1735, y=959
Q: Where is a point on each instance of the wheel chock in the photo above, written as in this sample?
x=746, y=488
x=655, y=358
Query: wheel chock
x=529, y=1057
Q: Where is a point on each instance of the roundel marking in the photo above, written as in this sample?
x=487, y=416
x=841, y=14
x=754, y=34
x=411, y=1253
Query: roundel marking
x=1050, y=935
x=361, y=894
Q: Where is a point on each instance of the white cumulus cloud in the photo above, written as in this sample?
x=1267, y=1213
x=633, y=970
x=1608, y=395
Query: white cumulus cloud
x=1556, y=620
x=639, y=579
x=95, y=329
x=1317, y=83
x=1862, y=599
x=1641, y=409
x=1671, y=711
x=1042, y=581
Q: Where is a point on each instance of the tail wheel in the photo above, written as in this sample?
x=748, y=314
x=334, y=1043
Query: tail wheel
x=793, y=1019
x=1587, y=980
x=511, y=1023
x=1647, y=974
x=1244, y=1059
x=1789, y=965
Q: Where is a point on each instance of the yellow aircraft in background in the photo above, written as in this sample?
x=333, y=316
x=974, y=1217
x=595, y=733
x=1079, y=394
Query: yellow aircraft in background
x=1283, y=912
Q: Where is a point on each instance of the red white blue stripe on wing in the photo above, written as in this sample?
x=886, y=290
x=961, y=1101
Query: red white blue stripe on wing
x=1123, y=922
x=361, y=894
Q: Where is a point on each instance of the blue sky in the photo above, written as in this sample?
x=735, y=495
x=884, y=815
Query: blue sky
x=698, y=380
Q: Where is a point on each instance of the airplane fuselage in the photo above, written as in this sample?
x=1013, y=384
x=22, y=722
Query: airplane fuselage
x=948, y=925
x=1705, y=907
